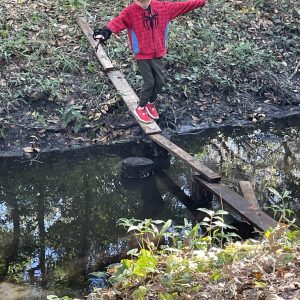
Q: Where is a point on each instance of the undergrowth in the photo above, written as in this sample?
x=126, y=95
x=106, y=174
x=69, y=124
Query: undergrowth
x=239, y=49
x=191, y=264
x=206, y=260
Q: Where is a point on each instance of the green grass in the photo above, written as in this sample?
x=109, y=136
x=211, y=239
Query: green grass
x=244, y=50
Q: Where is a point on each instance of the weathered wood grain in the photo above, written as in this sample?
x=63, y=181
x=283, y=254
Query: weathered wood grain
x=248, y=192
x=204, y=171
x=237, y=203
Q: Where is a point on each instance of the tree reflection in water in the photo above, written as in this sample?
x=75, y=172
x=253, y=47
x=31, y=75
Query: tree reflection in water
x=58, y=217
x=267, y=157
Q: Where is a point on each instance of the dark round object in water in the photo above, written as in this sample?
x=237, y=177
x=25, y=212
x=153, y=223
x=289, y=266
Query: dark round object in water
x=137, y=167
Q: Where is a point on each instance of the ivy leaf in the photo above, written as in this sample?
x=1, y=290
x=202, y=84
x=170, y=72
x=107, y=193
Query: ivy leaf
x=166, y=226
x=273, y=191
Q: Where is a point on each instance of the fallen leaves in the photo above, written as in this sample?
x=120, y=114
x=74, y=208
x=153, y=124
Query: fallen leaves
x=257, y=117
x=195, y=119
x=273, y=297
x=218, y=120
x=31, y=149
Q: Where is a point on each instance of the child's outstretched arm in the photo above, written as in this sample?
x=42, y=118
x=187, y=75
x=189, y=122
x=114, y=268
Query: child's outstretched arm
x=116, y=25
x=176, y=9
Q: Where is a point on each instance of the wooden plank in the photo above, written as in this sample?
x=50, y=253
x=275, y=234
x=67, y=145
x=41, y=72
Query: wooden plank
x=237, y=203
x=203, y=171
x=101, y=55
x=131, y=99
x=248, y=192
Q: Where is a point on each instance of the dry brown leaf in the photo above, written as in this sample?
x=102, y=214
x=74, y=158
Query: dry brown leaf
x=218, y=120
x=54, y=120
x=195, y=119
x=257, y=275
x=273, y=297
x=104, y=139
x=28, y=150
x=288, y=275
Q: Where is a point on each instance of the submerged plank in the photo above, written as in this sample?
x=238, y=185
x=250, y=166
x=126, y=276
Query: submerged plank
x=248, y=192
x=100, y=53
x=245, y=209
x=203, y=171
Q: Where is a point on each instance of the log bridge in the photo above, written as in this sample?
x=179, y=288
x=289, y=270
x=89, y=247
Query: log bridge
x=207, y=182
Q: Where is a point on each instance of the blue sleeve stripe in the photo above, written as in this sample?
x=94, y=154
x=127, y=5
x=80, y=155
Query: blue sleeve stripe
x=135, y=43
x=166, y=34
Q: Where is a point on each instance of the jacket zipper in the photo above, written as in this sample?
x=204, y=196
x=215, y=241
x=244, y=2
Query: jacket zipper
x=152, y=29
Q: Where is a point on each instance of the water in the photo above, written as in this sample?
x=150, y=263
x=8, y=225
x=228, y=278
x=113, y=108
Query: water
x=58, y=214
x=267, y=157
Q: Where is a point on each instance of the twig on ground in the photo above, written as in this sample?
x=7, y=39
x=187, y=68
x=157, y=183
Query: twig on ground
x=295, y=71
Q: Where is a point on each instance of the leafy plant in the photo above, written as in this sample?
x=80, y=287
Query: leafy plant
x=72, y=114
x=179, y=238
x=64, y=61
x=74, y=3
x=54, y=297
x=39, y=117
x=180, y=268
x=147, y=232
x=281, y=208
x=215, y=226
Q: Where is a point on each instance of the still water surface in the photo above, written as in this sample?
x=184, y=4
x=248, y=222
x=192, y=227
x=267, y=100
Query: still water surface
x=58, y=216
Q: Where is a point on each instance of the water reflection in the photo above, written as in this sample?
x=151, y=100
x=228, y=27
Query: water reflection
x=267, y=157
x=59, y=217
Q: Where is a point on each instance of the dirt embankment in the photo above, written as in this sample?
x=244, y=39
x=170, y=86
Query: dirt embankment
x=229, y=64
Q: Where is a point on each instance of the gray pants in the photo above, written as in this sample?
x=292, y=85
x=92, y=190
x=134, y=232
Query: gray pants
x=152, y=71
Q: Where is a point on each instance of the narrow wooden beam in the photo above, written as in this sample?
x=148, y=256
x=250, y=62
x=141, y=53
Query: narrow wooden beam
x=203, y=171
x=248, y=192
x=237, y=203
x=101, y=55
x=247, y=210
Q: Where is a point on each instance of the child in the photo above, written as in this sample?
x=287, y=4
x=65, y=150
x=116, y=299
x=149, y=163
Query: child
x=147, y=23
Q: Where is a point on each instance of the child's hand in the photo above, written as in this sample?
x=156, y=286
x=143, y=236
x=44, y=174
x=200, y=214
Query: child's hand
x=98, y=37
x=102, y=34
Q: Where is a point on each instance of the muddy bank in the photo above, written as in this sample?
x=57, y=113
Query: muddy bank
x=25, y=138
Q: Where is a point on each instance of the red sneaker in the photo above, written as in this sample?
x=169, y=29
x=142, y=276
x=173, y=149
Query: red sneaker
x=151, y=110
x=142, y=115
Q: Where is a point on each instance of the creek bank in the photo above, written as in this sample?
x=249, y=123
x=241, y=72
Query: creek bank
x=222, y=76
x=120, y=128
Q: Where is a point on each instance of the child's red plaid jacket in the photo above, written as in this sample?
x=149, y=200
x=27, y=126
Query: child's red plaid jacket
x=148, y=33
